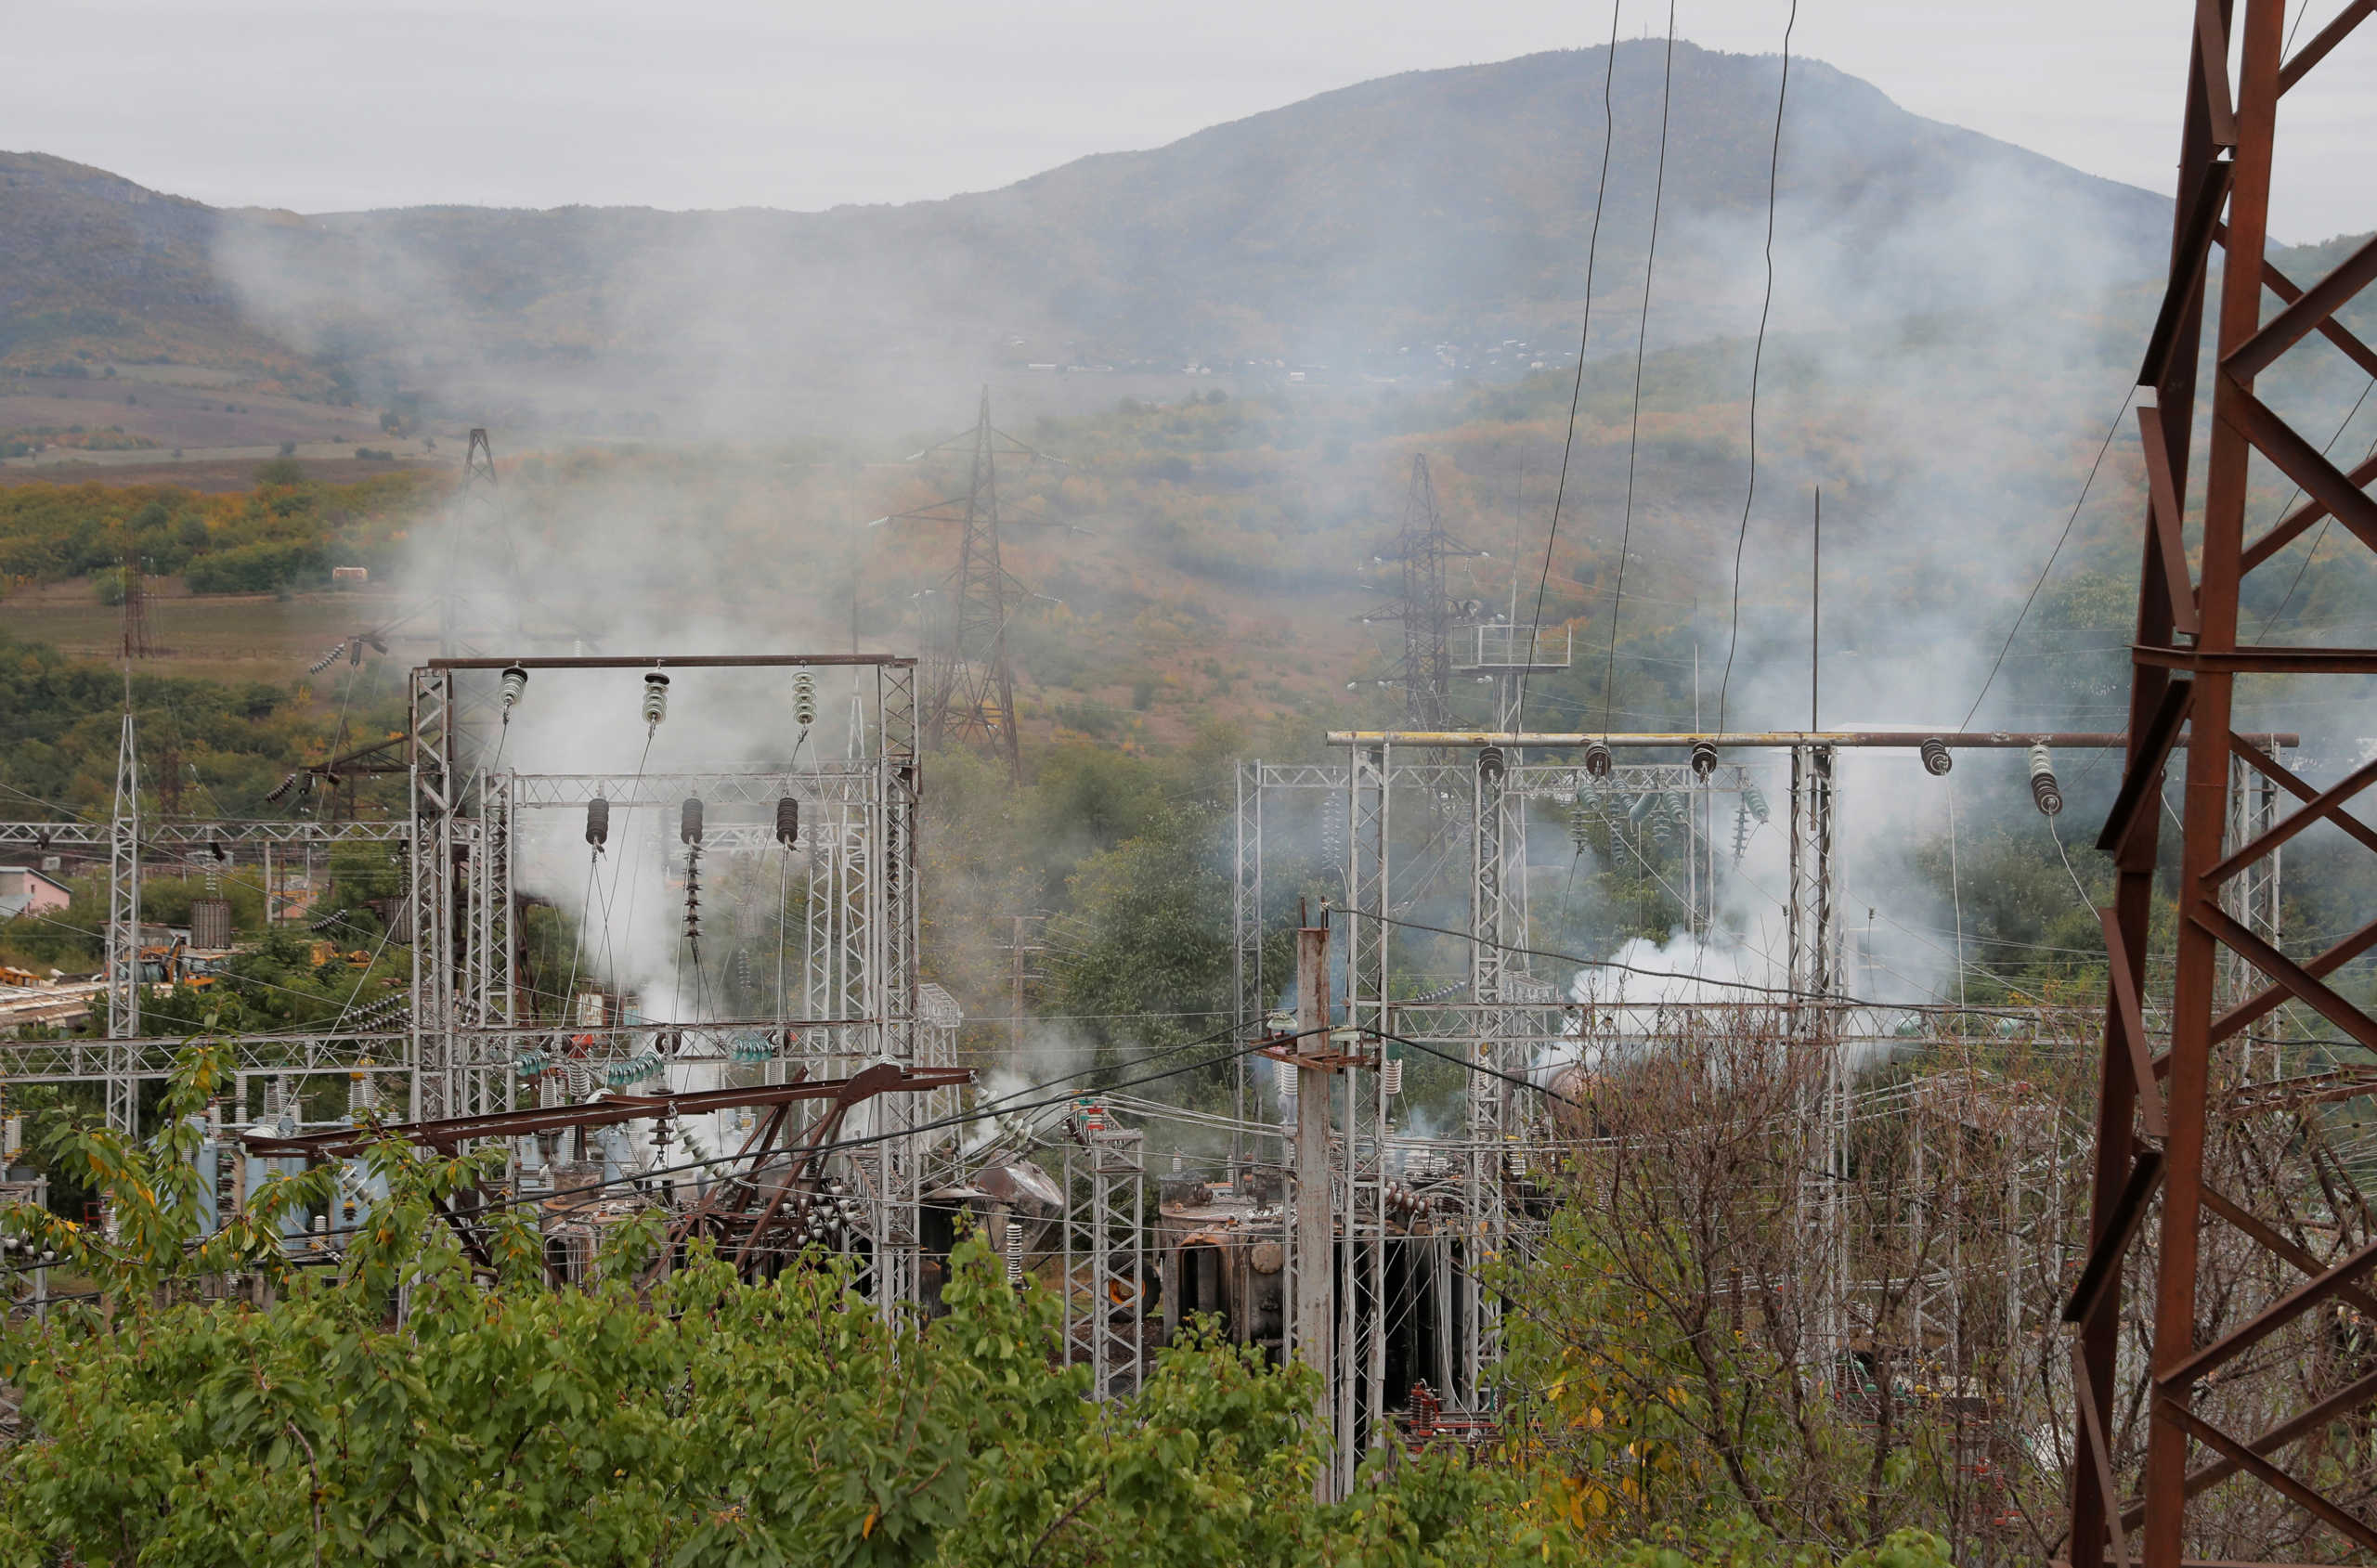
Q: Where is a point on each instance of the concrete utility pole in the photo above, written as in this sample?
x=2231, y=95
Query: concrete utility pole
x=1316, y=1270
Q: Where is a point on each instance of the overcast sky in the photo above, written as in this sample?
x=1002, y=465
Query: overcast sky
x=333, y=104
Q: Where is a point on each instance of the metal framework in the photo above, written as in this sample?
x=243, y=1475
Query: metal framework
x=969, y=687
x=466, y=1047
x=1424, y=603
x=860, y=994
x=2158, y=1111
x=1104, y=1261
x=1504, y=1015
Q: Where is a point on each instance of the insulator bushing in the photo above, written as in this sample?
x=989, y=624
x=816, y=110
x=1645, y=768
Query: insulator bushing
x=805, y=699
x=1704, y=759
x=1597, y=759
x=689, y=821
x=1755, y=798
x=598, y=822
x=515, y=681
x=656, y=699
x=1937, y=758
x=1492, y=764
x=787, y=820
x=1392, y=1072
x=2045, y=791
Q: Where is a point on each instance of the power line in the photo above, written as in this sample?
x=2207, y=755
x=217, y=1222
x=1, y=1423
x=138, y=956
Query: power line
x=2102, y=448
x=1757, y=360
x=1584, y=335
x=1642, y=336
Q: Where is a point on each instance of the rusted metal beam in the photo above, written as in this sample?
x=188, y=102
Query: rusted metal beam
x=2182, y=1374
x=2295, y=523
x=2204, y=1477
x=1754, y=740
x=2304, y=463
x=678, y=661
x=453, y=1131
x=2232, y=933
x=2325, y=39
x=2279, y=1246
x=2212, y=60
x=2311, y=310
x=2327, y=806
x=2122, y=979
x=2100, y=1462
x=2141, y=784
x=2183, y=296
x=2103, y=1266
x=2166, y=519
x=2261, y=661
x=2262, y=1003
x=2303, y=1497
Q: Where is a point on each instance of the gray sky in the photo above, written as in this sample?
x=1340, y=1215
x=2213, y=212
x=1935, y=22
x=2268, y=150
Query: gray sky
x=317, y=105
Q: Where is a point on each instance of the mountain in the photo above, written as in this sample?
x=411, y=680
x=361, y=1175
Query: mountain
x=94, y=267
x=1434, y=223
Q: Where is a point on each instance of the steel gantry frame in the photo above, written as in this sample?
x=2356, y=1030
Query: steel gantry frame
x=862, y=992
x=466, y=1046
x=2156, y=1111
x=1509, y=1014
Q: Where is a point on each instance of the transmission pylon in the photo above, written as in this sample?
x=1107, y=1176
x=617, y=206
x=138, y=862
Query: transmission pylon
x=2272, y=1272
x=970, y=691
x=123, y=980
x=137, y=642
x=1425, y=603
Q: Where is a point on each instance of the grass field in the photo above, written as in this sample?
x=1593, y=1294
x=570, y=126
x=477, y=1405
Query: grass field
x=217, y=637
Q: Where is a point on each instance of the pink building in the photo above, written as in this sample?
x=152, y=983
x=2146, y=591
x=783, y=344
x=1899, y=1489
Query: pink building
x=24, y=891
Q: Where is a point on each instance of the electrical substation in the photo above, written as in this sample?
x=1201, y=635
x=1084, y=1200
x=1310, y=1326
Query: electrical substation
x=745, y=1050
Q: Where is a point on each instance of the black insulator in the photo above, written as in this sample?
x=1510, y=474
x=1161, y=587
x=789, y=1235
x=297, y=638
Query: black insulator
x=598, y=822
x=1490, y=763
x=689, y=821
x=1704, y=759
x=1937, y=758
x=2045, y=791
x=1597, y=759
x=787, y=820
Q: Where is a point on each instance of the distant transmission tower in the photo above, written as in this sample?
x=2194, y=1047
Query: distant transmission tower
x=474, y=516
x=137, y=642
x=1426, y=604
x=969, y=689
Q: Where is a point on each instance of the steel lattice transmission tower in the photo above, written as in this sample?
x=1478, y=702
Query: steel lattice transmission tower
x=969, y=687
x=137, y=642
x=2269, y=1272
x=1425, y=603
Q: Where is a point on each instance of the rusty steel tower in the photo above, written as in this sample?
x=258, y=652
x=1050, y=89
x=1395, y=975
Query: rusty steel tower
x=2257, y=1267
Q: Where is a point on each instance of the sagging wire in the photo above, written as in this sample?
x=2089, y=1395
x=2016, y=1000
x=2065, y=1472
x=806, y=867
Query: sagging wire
x=1757, y=360
x=1584, y=335
x=1642, y=335
x=2061, y=539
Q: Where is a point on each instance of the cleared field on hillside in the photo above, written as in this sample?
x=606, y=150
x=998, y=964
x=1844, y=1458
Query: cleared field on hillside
x=217, y=637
